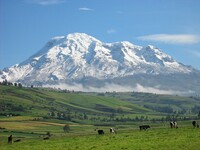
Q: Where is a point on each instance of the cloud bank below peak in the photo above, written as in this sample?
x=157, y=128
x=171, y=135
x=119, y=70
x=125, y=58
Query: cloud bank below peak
x=117, y=88
x=172, y=38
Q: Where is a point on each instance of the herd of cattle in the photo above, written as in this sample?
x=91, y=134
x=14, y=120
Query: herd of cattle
x=173, y=124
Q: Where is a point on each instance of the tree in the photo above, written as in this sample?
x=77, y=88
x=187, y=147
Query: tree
x=19, y=85
x=66, y=128
x=196, y=109
x=5, y=82
x=85, y=116
x=48, y=134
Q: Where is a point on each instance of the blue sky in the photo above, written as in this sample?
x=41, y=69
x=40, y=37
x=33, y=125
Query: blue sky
x=172, y=25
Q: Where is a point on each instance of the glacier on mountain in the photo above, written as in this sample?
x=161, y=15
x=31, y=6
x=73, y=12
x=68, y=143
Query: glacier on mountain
x=78, y=56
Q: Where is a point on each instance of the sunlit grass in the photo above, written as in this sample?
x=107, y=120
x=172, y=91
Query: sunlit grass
x=164, y=139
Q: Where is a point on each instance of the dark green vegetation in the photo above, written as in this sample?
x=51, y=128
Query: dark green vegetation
x=70, y=120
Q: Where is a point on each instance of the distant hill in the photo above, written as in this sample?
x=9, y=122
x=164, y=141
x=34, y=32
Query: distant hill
x=91, y=107
x=81, y=62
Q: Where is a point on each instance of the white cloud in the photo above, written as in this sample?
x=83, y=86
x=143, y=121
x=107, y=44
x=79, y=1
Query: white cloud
x=172, y=38
x=111, y=31
x=85, y=9
x=118, y=88
x=45, y=2
x=80, y=87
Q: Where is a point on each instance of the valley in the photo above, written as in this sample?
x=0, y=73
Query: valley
x=31, y=114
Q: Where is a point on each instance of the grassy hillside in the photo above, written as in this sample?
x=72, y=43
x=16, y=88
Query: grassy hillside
x=174, y=103
x=41, y=102
x=93, y=107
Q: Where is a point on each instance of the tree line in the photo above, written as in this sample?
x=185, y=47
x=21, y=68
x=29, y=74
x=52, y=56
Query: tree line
x=114, y=118
x=5, y=82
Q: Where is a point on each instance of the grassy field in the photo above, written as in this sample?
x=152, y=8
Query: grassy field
x=30, y=114
x=184, y=138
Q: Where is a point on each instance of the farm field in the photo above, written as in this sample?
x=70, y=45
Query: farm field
x=164, y=138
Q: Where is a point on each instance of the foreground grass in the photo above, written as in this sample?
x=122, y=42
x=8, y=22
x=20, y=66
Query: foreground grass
x=164, y=139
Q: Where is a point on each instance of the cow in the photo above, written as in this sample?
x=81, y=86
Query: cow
x=18, y=140
x=195, y=124
x=112, y=130
x=173, y=124
x=10, y=139
x=46, y=138
x=100, y=132
x=144, y=127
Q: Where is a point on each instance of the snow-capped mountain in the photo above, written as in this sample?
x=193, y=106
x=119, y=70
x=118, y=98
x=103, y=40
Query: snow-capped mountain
x=78, y=56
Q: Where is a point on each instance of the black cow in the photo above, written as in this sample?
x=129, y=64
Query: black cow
x=195, y=124
x=46, y=138
x=10, y=139
x=144, y=127
x=100, y=132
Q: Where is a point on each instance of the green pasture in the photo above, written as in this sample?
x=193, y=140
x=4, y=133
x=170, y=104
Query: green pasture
x=165, y=138
x=40, y=102
x=25, y=113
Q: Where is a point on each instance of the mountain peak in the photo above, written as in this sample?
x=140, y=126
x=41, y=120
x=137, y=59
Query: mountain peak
x=150, y=47
x=78, y=55
x=81, y=37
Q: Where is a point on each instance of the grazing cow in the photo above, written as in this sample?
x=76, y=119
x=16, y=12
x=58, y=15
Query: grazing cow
x=18, y=140
x=144, y=127
x=46, y=138
x=195, y=124
x=10, y=139
x=112, y=130
x=173, y=124
x=100, y=132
